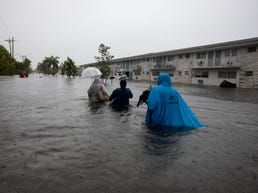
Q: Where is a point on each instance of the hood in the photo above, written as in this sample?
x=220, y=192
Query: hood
x=97, y=81
x=164, y=79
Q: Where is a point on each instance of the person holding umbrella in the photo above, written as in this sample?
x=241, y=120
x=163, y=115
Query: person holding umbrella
x=97, y=91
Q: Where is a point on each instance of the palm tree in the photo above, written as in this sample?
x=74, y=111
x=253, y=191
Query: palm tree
x=69, y=67
x=50, y=65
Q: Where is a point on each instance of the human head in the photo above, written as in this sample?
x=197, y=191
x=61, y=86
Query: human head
x=97, y=80
x=164, y=79
x=123, y=84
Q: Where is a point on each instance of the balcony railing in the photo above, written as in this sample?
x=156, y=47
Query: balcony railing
x=221, y=63
x=164, y=66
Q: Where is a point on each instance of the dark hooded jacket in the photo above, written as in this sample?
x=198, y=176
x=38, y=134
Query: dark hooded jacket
x=120, y=96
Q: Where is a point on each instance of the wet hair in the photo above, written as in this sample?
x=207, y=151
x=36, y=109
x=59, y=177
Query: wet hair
x=123, y=84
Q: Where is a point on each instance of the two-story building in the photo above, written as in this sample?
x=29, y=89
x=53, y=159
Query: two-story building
x=234, y=61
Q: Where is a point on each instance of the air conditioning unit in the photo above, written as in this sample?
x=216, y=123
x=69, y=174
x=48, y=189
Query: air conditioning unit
x=229, y=63
x=200, y=81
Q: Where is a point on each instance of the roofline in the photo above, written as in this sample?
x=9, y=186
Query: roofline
x=196, y=49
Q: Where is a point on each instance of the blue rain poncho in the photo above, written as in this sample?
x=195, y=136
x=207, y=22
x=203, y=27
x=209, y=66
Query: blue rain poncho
x=166, y=108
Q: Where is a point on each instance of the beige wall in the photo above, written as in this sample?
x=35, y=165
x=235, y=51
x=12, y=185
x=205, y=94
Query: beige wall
x=248, y=62
x=243, y=62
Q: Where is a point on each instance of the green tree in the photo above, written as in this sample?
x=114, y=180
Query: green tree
x=7, y=63
x=62, y=68
x=23, y=66
x=49, y=65
x=42, y=68
x=69, y=68
x=104, y=60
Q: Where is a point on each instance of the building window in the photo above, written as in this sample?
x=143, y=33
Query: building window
x=232, y=74
x=155, y=73
x=187, y=55
x=201, y=55
x=252, y=49
x=179, y=73
x=217, y=58
x=186, y=72
x=227, y=74
x=170, y=58
x=227, y=53
x=204, y=74
x=249, y=73
x=197, y=74
x=222, y=74
x=210, y=58
x=234, y=52
x=137, y=72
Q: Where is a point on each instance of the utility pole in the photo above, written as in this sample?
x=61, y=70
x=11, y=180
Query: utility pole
x=11, y=46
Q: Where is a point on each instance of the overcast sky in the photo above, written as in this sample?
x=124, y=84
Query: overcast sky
x=76, y=28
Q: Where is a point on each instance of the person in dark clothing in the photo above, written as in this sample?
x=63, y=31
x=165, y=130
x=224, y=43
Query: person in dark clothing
x=120, y=96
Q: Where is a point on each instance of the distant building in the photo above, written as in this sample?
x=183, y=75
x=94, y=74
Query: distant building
x=234, y=61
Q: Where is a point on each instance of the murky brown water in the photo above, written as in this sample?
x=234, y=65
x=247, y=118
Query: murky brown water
x=52, y=140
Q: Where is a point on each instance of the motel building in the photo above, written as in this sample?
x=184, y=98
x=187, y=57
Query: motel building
x=234, y=61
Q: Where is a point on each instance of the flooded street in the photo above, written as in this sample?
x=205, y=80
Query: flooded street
x=53, y=140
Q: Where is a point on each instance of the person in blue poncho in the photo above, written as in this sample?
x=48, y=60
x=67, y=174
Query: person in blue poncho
x=166, y=108
x=120, y=96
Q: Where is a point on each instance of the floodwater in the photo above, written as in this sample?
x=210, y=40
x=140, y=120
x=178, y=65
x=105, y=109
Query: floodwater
x=53, y=140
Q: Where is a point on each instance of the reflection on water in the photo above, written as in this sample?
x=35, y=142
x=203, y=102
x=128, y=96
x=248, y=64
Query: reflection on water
x=161, y=144
x=53, y=139
x=231, y=94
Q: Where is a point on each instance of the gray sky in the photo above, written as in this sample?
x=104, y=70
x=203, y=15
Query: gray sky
x=76, y=28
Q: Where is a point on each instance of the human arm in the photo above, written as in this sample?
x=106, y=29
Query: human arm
x=130, y=94
x=104, y=90
x=152, y=101
x=113, y=95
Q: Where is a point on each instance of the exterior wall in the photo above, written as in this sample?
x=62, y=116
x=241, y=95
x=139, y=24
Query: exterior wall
x=137, y=69
x=216, y=66
x=183, y=69
x=236, y=62
x=249, y=63
x=159, y=64
x=213, y=79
